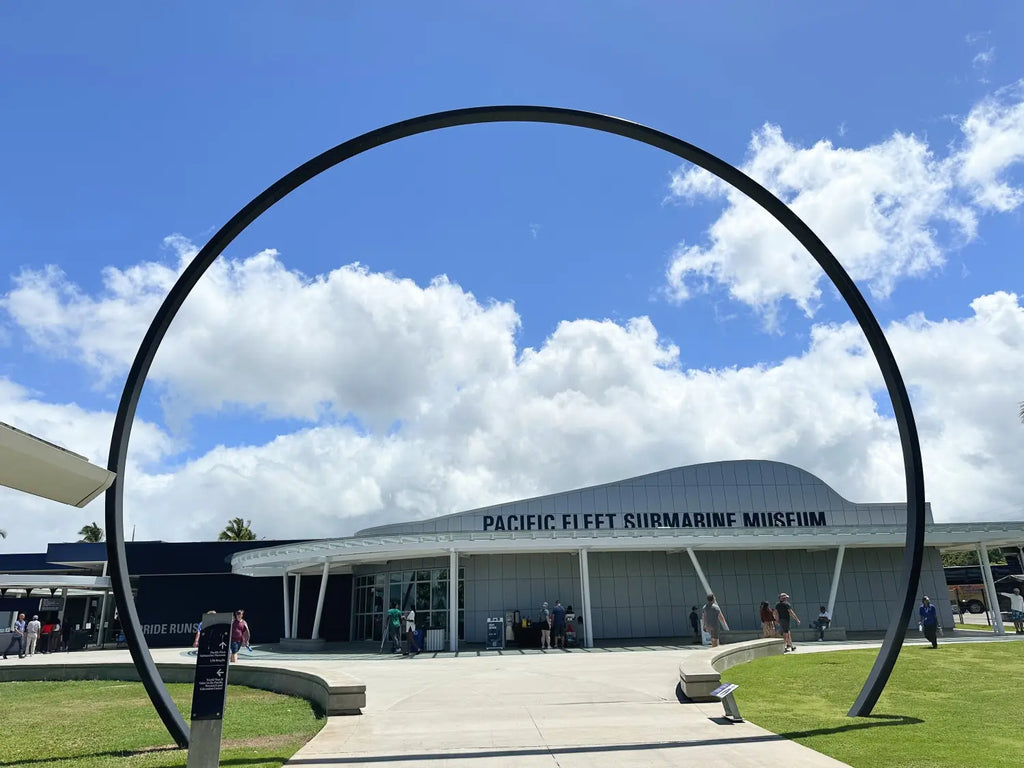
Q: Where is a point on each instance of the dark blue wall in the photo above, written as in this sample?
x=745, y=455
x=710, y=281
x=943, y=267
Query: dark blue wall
x=170, y=606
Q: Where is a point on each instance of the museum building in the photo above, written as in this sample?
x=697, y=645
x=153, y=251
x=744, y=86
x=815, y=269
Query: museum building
x=631, y=557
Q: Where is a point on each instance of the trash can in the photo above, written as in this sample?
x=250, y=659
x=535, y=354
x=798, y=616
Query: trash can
x=435, y=640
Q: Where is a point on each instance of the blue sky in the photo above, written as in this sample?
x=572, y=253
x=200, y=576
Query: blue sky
x=128, y=124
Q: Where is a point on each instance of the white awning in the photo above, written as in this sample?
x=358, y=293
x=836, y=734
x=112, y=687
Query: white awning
x=309, y=556
x=35, y=466
x=34, y=581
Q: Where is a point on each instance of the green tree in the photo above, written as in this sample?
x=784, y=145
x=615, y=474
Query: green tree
x=995, y=557
x=237, y=529
x=91, y=533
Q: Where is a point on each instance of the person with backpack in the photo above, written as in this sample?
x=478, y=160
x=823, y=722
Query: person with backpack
x=239, y=633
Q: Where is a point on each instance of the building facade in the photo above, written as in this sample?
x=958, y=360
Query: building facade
x=633, y=556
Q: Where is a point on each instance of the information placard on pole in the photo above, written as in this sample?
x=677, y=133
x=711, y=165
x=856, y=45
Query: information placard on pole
x=209, y=692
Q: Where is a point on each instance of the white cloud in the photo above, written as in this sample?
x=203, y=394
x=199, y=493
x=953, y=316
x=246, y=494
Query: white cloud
x=597, y=401
x=888, y=211
x=876, y=208
x=983, y=58
x=994, y=144
x=351, y=341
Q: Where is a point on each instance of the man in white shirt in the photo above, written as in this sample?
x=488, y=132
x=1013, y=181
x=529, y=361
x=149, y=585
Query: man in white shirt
x=1016, y=609
x=410, y=632
x=32, y=630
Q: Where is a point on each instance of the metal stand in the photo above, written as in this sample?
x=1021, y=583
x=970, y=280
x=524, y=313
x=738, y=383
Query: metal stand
x=724, y=693
x=204, y=747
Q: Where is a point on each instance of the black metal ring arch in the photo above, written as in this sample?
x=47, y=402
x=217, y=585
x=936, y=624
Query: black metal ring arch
x=913, y=552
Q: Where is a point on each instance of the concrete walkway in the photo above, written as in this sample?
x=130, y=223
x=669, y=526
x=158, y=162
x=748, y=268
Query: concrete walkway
x=606, y=707
x=555, y=709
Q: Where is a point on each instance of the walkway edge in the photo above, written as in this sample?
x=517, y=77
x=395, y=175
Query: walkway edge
x=700, y=671
x=335, y=693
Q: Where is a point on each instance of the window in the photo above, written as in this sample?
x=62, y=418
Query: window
x=425, y=590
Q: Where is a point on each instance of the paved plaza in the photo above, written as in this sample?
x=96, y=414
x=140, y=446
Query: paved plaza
x=614, y=707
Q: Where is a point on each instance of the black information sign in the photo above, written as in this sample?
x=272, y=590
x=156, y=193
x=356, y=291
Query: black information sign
x=211, y=685
x=495, y=634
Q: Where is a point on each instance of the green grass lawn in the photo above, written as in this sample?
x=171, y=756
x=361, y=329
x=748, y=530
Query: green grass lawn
x=957, y=706
x=977, y=627
x=89, y=724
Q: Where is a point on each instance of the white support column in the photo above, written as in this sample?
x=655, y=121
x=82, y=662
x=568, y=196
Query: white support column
x=453, y=600
x=320, y=601
x=834, y=590
x=295, y=607
x=63, y=605
x=588, y=629
x=287, y=607
x=700, y=573
x=103, y=608
x=990, y=591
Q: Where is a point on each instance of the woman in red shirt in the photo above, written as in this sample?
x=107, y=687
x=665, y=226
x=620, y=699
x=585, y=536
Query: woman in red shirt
x=767, y=621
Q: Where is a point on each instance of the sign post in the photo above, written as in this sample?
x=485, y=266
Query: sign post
x=495, y=633
x=724, y=694
x=209, y=691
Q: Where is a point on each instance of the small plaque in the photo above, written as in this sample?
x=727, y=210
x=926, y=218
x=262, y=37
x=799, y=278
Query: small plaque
x=724, y=690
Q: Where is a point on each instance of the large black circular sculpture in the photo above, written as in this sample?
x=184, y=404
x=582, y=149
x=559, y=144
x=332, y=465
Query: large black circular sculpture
x=116, y=462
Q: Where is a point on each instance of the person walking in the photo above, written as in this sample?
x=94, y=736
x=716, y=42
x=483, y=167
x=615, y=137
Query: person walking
x=17, y=636
x=929, y=619
x=395, y=627
x=783, y=614
x=712, y=619
x=1016, y=609
x=410, y=633
x=199, y=630
x=558, y=624
x=32, y=630
x=767, y=620
x=239, y=633
x=695, y=623
x=545, y=626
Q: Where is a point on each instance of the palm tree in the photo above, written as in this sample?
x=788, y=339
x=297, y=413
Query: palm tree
x=3, y=533
x=91, y=533
x=237, y=529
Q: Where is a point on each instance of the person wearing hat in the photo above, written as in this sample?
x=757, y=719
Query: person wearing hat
x=32, y=630
x=545, y=626
x=783, y=613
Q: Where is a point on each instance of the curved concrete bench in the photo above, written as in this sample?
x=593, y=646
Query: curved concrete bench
x=799, y=634
x=700, y=671
x=335, y=693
